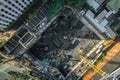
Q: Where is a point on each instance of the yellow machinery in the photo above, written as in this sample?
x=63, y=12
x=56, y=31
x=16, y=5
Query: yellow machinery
x=105, y=43
x=102, y=73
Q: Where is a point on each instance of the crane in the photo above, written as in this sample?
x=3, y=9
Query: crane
x=101, y=72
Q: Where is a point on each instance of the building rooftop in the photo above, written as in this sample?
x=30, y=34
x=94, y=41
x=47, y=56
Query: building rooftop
x=100, y=23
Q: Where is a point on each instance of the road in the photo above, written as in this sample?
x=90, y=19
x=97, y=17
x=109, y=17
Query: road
x=111, y=66
x=115, y=75
x=108, y=57
x=80, y=63
x=94, y=60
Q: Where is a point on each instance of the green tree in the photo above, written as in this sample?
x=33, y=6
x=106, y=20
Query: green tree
x=77, y=2
x=18, y=76
x=55, y=7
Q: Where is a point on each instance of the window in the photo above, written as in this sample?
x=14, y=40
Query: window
x=19, y=9
x=22, y=6
x=25, y=2
x=9, y=8
x=6, y=17
x=19, y=4
x=9, y=2
x=5, y=11
x=16, y=1
x=12, y=15
x=3, y=24
x=13, y=5
x=9, y=13
x=2, y=15
x=7, y=21
x=12, y=10
x=16, y=12
x=16, y=7
x=6, y=6
x=10, y=18
x=2, y=9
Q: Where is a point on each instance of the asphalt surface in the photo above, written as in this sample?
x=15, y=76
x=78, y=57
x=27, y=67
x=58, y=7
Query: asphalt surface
x=110, y=67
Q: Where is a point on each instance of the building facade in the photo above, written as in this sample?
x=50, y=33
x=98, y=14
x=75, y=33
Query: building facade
x=10, y=10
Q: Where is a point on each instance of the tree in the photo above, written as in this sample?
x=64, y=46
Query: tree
x=18, y=76
x=77, y=2
x=55, y=7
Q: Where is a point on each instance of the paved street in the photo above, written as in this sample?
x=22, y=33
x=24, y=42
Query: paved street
x=110, y=54
x=112, y=65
